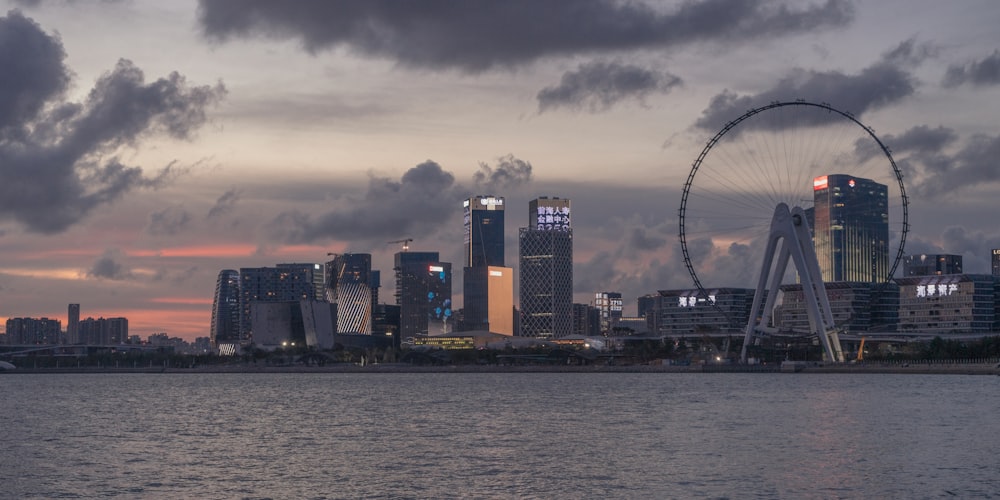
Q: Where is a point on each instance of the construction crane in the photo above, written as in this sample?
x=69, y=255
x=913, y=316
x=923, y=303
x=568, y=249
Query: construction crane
x=405, y=242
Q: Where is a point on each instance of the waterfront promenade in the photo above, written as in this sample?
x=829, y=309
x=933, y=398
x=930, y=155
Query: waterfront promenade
x=985, y=367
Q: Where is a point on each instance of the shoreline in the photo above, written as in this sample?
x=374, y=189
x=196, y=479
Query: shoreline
x=796, y=368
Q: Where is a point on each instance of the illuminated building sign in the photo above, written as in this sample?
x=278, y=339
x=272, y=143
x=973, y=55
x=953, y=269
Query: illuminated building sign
x=496, y=273
x=694, y=301
x=435, y=269
x=939, y=290
x=552, y=218
x=491, y=201
x=819, y=183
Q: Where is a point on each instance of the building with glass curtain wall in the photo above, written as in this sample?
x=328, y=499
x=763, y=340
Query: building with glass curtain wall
x=225, y=328
x=483, y=221
x=851, y=228
x=933, y=264
x=488, y=297
x=423, y=293
x=546, y=267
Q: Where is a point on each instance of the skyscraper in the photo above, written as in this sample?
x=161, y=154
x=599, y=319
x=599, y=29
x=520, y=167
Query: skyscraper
x=349, y=285
x=851, y=228
x=225, y=328
x=488, y=304
x=423, y=293
x=483, y=221
x=546, y=266
x=73, y=324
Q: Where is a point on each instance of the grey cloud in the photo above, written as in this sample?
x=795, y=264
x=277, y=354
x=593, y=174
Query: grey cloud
x=984, y=72
x=934, y=163
x=225, y=203
x=419, y=203
x=58, y=158
x=509, y=173
x=920, y=139
x=33, y=72
x=911, y=52
x=109, y=267
x=598, y=86
x=973, y=165
x=168, y=222
x=476, y=36
x=876, y=86
x=641, y=239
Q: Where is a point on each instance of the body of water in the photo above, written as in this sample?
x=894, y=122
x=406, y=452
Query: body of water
x=499, y=435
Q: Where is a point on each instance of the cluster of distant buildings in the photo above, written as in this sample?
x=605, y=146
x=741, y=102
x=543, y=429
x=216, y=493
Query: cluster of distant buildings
x=99, y=332
x=312, y=303
x=322, y=304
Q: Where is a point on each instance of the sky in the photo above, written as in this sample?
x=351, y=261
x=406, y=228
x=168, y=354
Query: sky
x=147, y=145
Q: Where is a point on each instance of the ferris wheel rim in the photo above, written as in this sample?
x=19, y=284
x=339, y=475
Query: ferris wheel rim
x=729, y=126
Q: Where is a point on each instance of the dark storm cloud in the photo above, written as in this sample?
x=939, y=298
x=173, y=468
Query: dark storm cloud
x=168, y=222
x=936, y=173
x=598, y=86
x=33, y=72
x=985, y=72
x=225, y=203
x=476, y=36
x=879, y=85
x=934, y=162
x=509, y=173
x=422, y=200
x=58, y=158
x=109, y=267
x=921, y=139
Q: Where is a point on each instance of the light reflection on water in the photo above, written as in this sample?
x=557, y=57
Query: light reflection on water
x=500, y=435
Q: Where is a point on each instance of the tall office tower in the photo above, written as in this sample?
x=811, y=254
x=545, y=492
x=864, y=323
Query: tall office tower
x=283, y=283
x=225, y=328
x=996, y=261
x=609, y=305
x=483, y=221
x=546, y=263
x=931, y=265
x=349, y=285
x=851, y=232
x=423, y=293
x=73, y=324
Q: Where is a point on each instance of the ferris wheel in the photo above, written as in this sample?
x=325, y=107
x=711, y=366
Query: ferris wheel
x=781, y=153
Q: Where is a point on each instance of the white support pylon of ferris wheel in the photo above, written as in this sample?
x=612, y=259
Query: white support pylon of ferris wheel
x=790, y=239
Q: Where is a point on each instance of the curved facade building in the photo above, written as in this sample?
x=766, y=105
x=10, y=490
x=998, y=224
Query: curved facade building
x=226, y=308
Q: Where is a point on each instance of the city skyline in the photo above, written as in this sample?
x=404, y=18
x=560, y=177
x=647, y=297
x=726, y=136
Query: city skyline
x=281, y=142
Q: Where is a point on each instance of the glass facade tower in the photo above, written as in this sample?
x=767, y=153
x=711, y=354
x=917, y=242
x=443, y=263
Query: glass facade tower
x=423, y=293
x=851, y=228
x=483, y=223
x=225, y=328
